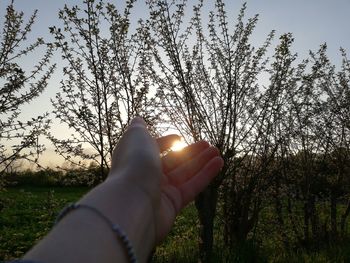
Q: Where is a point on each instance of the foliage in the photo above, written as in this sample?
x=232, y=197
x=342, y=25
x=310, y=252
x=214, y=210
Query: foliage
x=49, y=178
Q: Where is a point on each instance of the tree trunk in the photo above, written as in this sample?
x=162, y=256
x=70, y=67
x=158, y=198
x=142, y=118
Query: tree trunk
x=206, y=207
x=306, y=222
x=314, y=219
x=334, y=215
x=226, y=213
x=343, y=218
x=279, y=215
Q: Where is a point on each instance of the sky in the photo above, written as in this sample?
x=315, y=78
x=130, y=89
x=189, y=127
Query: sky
x=312, y=23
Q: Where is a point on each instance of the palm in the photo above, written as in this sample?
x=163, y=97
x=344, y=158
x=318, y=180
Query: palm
x=186, y=174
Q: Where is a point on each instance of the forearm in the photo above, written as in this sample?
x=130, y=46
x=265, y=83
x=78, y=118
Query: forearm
x=82, y=236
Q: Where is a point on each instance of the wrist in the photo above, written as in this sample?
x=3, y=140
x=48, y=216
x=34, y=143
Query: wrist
x=131, y=208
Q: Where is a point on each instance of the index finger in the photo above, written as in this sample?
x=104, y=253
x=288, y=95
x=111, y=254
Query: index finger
x=136, y=146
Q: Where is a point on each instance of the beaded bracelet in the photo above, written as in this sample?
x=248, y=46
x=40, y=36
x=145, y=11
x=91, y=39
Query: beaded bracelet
x=115, y=228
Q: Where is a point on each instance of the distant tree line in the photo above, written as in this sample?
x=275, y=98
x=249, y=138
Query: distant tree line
x=285, y=143
x=69, y=175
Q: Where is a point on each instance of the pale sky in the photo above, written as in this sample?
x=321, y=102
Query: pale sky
x=312, y=23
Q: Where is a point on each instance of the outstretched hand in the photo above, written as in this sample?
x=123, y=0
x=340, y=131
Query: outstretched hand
x=142, y=196
x=171, y=181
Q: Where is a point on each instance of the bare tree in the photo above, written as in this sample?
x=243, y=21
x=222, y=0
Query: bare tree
x=208, y=86
x=19, y=139
x=105, y=84
x=333, y=128
x=311, y=165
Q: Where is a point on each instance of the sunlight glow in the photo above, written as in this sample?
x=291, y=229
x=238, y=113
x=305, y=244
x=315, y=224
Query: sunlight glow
x=178, y=146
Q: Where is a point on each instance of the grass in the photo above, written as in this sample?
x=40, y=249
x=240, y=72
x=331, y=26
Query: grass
x=28, y=212
x=181, y=245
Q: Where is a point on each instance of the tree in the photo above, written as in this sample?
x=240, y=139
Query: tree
x=334, y=129
x=105, y=82
x=208, y=88
x=311, y=167
x=19, y=139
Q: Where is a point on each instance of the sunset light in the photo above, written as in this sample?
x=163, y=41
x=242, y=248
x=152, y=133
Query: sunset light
x=242, y=130
x=178, y=146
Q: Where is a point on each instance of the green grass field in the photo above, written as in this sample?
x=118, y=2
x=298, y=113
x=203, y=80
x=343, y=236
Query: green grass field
x=27, y=214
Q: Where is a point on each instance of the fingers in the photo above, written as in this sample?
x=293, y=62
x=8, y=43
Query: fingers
x=137, y=122
x=174, y=159
x=198, y=183
x=136, y=148
x=167, y=141
x=188, y=169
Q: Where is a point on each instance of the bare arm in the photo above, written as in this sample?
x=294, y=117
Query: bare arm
x=142, y=194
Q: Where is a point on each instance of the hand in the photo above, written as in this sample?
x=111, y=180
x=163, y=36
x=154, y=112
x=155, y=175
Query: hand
x=170, y=182
x=142, y=194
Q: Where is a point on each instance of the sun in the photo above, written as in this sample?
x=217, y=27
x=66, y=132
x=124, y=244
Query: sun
x=178, y=146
